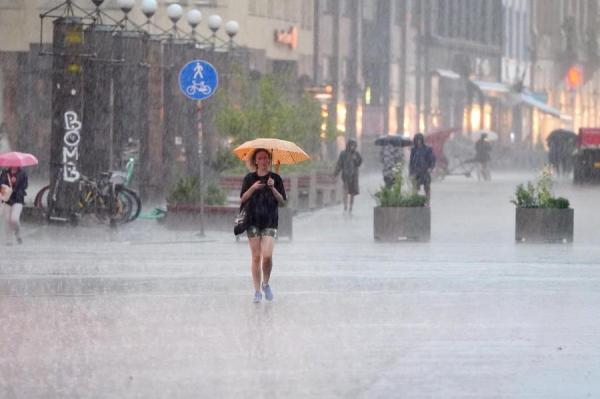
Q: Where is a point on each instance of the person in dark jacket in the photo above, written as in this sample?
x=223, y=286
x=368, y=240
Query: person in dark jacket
x=262, y=192
x=16, y=179
x=422, y=162
x=483, y=157
x=347, y=164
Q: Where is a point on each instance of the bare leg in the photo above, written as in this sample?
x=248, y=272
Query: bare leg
x=415, y=185
x=266, y=251
x=15, y=219
x=254, y=243
x=427, y=187
x=7, y=225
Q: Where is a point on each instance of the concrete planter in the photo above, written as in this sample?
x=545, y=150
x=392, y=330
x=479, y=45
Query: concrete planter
x=217, y=217
x=544, y=225
x=400, y=224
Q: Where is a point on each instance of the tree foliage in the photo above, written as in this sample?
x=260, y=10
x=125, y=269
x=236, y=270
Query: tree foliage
x=267, y=107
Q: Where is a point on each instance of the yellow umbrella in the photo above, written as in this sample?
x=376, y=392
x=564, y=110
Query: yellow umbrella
x=282, y=151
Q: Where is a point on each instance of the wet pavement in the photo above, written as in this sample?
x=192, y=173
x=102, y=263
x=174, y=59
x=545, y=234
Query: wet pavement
x=147, y=312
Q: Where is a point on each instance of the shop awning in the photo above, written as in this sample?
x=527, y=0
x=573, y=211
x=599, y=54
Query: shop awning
x=446, y=73
x=529, y=99
x=492, y=88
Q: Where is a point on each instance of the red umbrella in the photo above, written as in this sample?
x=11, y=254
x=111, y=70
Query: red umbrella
x=17, y=159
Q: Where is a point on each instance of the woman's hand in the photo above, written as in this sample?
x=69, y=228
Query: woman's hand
x=257, y=185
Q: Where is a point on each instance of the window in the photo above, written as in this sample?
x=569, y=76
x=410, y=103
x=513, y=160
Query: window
x=307, y=10
x=252, y=7
x=327, y=6
x=441, y=26
x=346, y=7
x=10, y=4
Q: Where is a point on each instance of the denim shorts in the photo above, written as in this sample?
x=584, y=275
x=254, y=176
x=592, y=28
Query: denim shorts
x=254, y=231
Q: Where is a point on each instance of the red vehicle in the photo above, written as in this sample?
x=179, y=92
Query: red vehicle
x=587, y=156
x=443, y=167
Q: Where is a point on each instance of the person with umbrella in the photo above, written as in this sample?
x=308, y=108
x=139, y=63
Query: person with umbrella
x=347, y=164
x=392, y=156
x=561, y=146
x=16, y=179
x=262, y=192
x=421, y=164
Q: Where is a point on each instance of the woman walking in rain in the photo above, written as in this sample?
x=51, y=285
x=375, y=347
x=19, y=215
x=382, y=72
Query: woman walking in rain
x=348, y=163
x=16, y=179
x=262, y=192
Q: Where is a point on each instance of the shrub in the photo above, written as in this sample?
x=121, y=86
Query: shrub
x=393, y=196
x=187, y=191
x=539, y=195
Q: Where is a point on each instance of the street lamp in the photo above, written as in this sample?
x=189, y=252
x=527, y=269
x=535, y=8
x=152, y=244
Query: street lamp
x=98, y=3
x=232, y=28
x=175, y=12
x=125, y=6
x=149, y=8
x=214, y=23
x=193, y=18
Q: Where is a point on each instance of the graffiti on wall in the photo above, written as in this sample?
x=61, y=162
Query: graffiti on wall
x=70, y=151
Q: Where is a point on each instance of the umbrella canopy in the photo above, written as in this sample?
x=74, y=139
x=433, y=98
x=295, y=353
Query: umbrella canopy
x=282, y=151
x=396, y=141
x=562, y=135
x=17, y=159
x=491, y=136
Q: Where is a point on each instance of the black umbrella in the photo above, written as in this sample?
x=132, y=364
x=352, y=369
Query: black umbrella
x=561, y=136
x=397, y=141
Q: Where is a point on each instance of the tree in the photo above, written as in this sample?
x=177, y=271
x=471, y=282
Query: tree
x=267, y=107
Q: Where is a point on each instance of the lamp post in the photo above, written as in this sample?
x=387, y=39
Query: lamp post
x=175, y=12
x=232, y=28
x=126, y=6
x=193, y=18
x=214, y=23
x=149, y=8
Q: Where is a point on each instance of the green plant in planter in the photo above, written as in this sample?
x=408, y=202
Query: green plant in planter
x=539, y=195
x=392, y=196
x=187, y=191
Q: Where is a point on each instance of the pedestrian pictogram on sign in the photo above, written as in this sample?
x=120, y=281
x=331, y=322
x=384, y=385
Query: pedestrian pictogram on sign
x=198, y=79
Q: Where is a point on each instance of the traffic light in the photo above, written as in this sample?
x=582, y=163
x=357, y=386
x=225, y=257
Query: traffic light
x=574, y=76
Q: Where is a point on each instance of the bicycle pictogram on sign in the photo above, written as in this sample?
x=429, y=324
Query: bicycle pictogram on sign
x=198, y=79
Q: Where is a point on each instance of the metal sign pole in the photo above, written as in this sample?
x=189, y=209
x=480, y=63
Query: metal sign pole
x=201, y=151
x=199, y=80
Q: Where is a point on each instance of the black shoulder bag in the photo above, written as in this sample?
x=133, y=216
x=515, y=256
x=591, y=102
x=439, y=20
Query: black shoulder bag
x=240, y=223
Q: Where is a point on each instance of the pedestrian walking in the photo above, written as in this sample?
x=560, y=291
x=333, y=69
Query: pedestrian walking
x=483, y=157
x=17, y=180
x=262, y=192
x=421, y=164
x=391, y=158
x=561, y=147
x=347, y=164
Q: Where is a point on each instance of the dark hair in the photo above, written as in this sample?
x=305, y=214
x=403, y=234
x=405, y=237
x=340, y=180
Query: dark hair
x=419, y=137
x=257, y=151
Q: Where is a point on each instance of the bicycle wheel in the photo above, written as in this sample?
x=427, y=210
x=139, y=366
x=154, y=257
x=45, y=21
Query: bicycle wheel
x=123, y=209
x=41, y=198
x=131, y=199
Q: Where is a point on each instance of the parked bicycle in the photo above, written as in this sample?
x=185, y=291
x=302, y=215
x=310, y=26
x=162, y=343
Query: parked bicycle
x=108, y=202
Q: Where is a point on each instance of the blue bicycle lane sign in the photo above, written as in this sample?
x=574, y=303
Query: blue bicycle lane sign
x=198, y=79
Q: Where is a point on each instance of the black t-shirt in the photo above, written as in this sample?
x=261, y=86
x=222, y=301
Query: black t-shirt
x=261, y=207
